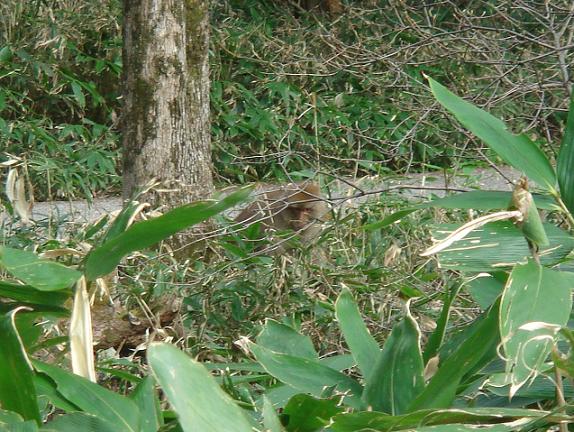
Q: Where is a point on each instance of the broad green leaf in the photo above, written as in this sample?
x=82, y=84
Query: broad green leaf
x=377, y=421
x=280, y=394
x=283, y=339
x=533, y=294
x=517, y=150
x=435, y=340
x=541, y=388
x=93, y=399
x=17, y=391
x=26, y=426
x=487, y=200
x=565, y=166
x=75, y=422
x=145, y=398
x=103, y=259
x=397, y=377
x=339, y=362
x=271, y=420
x=307, y=375
x=39, y=273
x=196, y=397
x=499, y=246
x=476, y=350
x=304, y=413
x=29, y=294
x=363, y=346
x=510, y=427
x=484, y=289
x=46, y=389
x=9, y=417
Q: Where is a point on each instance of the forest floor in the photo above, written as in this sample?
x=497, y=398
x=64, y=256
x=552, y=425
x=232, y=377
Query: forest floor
x=415, y=186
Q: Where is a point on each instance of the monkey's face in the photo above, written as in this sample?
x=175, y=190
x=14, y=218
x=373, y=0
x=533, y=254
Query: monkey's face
x=301, y=216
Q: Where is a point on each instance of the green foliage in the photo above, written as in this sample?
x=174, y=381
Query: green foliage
x=60, y=67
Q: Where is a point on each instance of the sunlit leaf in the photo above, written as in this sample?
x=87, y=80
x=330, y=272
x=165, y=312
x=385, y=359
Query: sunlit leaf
x=281, y=338
x=41, y=274
x=363, y=346
x=376, y=421
x=77, y=421
x=307, y=375
x=94, y=399
x=397, y=377
x=196, y=397
x=499, y=246
x=533, y=294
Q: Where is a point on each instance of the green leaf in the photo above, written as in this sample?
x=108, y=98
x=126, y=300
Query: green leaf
x=517, y=150
x=533, y=294
x=284, y=339
x=307, y=375
x=397, y=378
x=271, y=420
x=78, y=94
x=46, y=389
x=41, y=274
x=77, y=421
x=145, y=398
x=120, y=223
x=304, y=413
x=103, y=259
x=487, y=200
x=29, y=294
x=5, y=54
x=565, y=166
x=476, y=350
x=389, y=220
x=363, y=346
x=93, y=399
x=498, y=246
x=17, y=391
x=436, y=338
x=484, y=289
x=198, y=400
x=376, y=421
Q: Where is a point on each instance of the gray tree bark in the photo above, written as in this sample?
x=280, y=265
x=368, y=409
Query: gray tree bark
x=166, y=131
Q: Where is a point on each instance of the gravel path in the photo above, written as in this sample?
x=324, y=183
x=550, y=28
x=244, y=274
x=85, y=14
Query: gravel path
x=483, y=178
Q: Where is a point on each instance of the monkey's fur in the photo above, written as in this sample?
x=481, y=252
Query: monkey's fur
x=295, y=206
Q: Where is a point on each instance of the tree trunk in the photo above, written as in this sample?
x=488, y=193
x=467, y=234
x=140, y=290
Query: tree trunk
x=166, y=131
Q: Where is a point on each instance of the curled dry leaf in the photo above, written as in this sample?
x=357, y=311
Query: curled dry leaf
x=21, y=201
x=80, y=333
x=391, y=254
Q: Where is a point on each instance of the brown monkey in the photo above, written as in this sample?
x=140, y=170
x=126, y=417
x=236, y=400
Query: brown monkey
x=296, y=206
